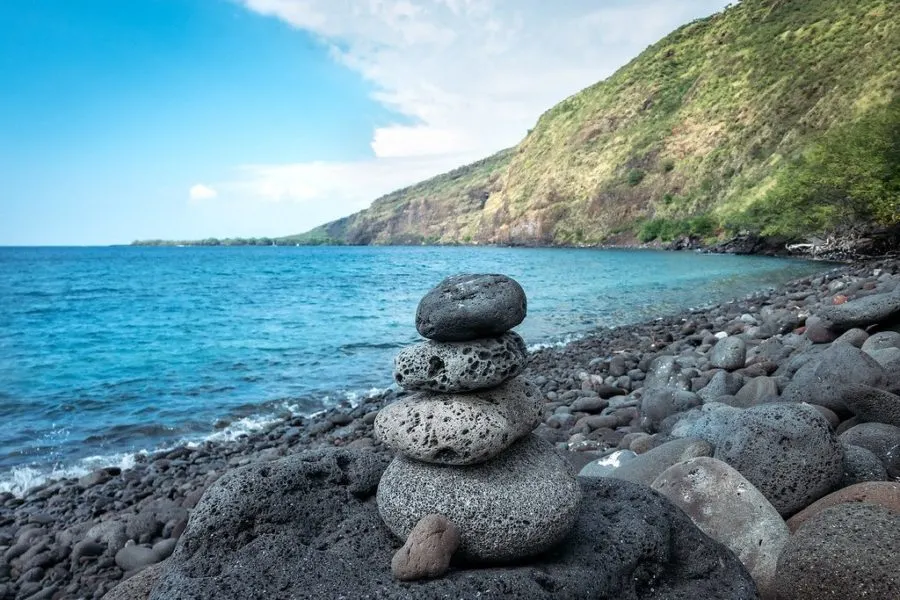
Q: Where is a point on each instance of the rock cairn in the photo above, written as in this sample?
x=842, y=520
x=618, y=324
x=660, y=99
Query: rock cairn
x=465, y=449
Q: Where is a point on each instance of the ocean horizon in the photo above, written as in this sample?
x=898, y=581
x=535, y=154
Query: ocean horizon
x=110, y=351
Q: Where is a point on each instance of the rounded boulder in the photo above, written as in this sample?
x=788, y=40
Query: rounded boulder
x=471, y=306
x=460, y=429
x=729, y=509
x=517, y=505
x=880, y=439
x=846, y=551
x=460, y=366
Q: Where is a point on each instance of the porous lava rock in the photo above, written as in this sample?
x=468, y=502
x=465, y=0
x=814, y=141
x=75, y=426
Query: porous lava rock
x=872, y=404
x=460, y=429
x=471, y=306
x=727, y=507
x=460, y=366
x=860, y=465
x=880, y=439
x=822, y=380
x=428, y=549
x=846, y=551
x=862, y=312
x=728, y=353
x=518, y=504
x=787, y=451
x=883, y=493
x=306, y=526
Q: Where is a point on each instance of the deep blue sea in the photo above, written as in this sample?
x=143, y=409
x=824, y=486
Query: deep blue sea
x=109, y=351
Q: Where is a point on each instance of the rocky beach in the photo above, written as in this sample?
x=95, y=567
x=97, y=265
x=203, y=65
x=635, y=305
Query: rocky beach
x=751, y=449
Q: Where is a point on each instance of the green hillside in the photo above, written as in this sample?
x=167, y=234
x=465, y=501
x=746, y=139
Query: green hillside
x=774, y=116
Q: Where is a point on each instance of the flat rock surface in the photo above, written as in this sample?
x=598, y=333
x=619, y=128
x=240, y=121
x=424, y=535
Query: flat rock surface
x=468, y=307
x=519, y=504
x=309, y=528
x=460, y=429
x=460, y=366
x=846, y=551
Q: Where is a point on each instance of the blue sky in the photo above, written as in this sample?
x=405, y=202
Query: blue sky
x=184, y=119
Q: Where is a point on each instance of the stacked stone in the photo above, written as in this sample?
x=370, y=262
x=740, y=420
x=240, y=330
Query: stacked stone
x=464, y=442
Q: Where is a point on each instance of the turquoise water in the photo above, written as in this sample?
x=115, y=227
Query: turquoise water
x=108, y=351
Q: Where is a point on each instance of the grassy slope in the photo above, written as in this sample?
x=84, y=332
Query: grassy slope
x=703, y=130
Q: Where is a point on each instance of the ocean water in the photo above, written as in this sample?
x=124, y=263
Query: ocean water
x=105, y=352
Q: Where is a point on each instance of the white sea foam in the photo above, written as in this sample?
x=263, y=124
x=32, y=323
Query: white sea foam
x=557, y=344
x=20, y=479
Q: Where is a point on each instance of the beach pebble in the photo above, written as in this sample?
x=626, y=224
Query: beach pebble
x=755, y=390
x=872, y=404
x=460, y=366
x=862, y=312
x=428, y=549
x=133, y=557
x=882, y=493
x=468, y=307
x=846, y=551
x=722, y=383
x=818, y=330
x=855, y=337
x=729, y=354
x=882, y=340
x=727, y=507
x=460, y=429
x=517, y=505
x=880, y=439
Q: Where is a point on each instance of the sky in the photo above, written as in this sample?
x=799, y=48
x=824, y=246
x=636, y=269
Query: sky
x=188, y=119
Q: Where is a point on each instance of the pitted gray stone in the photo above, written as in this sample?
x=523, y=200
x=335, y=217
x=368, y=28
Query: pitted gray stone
x=881, y=341
x=468, y=307
x=729, y=353
x=460, y=429
x=460, y=366
x=872, y=404
x=821, y=380
x=517, y=505
x=863, y=311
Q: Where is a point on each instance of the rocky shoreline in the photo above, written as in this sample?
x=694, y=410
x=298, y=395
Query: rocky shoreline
x=82, y=538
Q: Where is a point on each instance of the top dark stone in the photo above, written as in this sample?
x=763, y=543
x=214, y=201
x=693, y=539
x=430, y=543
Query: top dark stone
x=472, y=306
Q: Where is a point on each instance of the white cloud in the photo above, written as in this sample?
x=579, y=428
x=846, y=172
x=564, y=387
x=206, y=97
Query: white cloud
x=202, y=192
x=472, y=75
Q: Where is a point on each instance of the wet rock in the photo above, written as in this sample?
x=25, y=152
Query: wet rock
x=460, y=366
x=727, y=507
x=846, y=551
x=427, y=551
x=468, y=307
x=519, y=504
x=460, y=429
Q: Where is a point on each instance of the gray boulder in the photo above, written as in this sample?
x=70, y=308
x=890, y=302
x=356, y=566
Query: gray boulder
x=787, y=451
x=602, y=467
x=517, y=505
x=822, y=381
x=861, y=465
x=880, y=439
x=871, y=404
x=727, y=507
x=729, y=353
x=756, y=390
x=721, y=384
x=460, y=366
x=468, y=307
x=863, y=311
x=460, y=429
x=646, y=467
x=847, y=551
x=882, y=340
x=660, y=403
x=664, y=372
x=306, y=526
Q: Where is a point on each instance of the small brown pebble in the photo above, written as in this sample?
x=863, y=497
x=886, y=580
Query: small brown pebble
x=427, y=550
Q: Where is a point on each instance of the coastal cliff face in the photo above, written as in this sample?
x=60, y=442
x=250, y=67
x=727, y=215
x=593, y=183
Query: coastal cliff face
x=778, y=117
